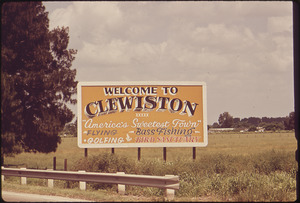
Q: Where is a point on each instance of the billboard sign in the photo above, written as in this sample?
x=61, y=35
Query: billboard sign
x=141, y=114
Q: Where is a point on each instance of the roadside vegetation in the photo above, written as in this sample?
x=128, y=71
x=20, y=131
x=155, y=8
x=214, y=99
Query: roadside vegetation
x=233, y=167
x=268, y=176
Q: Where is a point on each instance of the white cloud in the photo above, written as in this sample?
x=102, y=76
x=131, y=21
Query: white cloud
x=241, y=49
x=88, y=21
x=280, y=24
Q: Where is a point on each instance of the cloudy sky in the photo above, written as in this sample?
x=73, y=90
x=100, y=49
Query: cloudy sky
x=242, y=50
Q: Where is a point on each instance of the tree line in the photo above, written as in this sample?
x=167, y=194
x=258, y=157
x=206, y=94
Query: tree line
x=252, y=123
x=227, y=121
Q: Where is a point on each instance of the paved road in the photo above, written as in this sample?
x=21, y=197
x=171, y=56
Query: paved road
x=26, y=197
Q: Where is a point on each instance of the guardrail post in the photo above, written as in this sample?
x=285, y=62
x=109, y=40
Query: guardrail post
x=82, y=185
x=50, y=181
x=121, y=188
x=169, y=193
x=23, y=179
x=2, y=176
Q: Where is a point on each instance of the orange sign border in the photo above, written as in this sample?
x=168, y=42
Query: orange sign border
x=141, y=83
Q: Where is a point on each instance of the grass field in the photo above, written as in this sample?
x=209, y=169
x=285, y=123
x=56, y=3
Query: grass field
x=225, y=143
x=233, y=167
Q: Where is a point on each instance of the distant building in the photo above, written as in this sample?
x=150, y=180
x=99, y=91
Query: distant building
x=260, y=129
x=220, y=129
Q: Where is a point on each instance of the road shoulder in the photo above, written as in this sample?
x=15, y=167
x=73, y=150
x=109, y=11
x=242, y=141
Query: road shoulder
x=8, y=196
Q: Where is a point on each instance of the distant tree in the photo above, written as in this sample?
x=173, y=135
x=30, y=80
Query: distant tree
x=289, y=122
x=215, y=125
x=252, y=128
x=236, y=120
x=272, y=120
x=71, y=129
x=266, y=120
x=225, y=120
x=262, y=124
x=254, y=121
x=245, y=120
x=36, y=79
x=273, y=126
x=242, y=124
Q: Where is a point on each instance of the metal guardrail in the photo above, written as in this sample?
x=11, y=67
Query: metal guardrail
x=168, y=182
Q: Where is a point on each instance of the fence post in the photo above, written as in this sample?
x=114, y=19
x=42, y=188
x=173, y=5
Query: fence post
x=121, y=188
x=165, y=154
x=82, y=185
x=85, y=152
x=65, y=165
x=54, y=163
x=65, y=169
x=23, y=179
x=139, y=153
x=50, y=181
x=169, y=193
x=194, y=153
x=112, y=150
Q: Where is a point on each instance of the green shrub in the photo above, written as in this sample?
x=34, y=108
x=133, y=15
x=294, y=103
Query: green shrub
x=150, y=167
x=268, y=176
x=105, y=163
x=247, y=186
x=272, y=161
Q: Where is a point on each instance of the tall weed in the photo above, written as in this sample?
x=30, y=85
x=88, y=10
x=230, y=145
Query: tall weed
x=105, y=163
x=269, y=176
x=272, y=161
